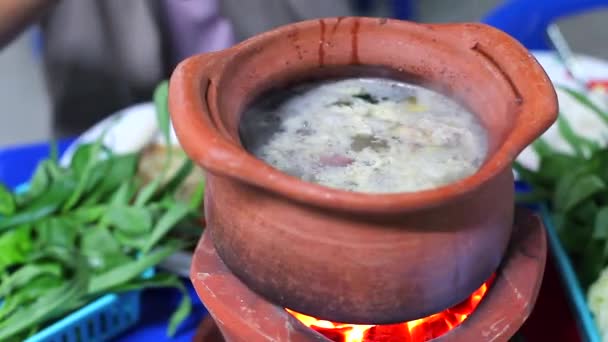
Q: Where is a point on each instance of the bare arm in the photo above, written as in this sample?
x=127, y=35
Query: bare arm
x=17, y=15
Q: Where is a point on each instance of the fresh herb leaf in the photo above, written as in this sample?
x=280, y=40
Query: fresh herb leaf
x=182, y=312
x=7, y=202
x=44, y=205
x=26, y=274
x=580, y=145
x=585, y=212
x=86, y=215
x=342, y=103
x=131, y=220
x=197, y=196
x=31, y=291
x=129, y=241
x=89, y=224
x=98, y=239
x=82, y=157
x=56, y=231
x=542, y=148
x=83, y=172
x=67, y=256
x=175, y=214
x=124, y=273
x=22, y=319
x=121, y=168
x=573, y=189
x=591, y=262
x=600, y=230
x=101, y=249
x=555, y=166
x=184, y=170
x=124, y=194
x=15, y=245
x=574, y=236
x=147, y=192
x=161, y=96
x=37, y=185
x=367, y=97
x=532, y=197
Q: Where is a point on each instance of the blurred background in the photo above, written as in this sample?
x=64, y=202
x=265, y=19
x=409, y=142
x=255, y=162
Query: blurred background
x=26, y=106
x=90, y=58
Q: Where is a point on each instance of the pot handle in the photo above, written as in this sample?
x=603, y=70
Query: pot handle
x=190, y=114
x=534, y=94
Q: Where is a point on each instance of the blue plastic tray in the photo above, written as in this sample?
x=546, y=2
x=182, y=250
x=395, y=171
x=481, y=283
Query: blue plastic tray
x=576, y=295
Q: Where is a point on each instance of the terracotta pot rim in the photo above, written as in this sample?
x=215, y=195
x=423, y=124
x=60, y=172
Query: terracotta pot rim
x=195, y=120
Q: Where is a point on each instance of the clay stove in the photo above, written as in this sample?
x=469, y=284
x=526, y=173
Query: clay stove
x=492, y=313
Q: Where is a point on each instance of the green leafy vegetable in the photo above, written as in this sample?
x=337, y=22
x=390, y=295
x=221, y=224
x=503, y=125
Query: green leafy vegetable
x=90, y=156
x=182, y=311
x=124, y=273
x=367, y=97
x=600, y=230
x=161, y=96
x=147, y=192
x=26, y=274
x=43, y=307
x=7, y=202
x=15, y=246
x=575, y=187
x=581, y=146
x=179, y=177
x=38, y=184
x=131, y=220
x=91, y=228
x=175, y=214
x=197, y=196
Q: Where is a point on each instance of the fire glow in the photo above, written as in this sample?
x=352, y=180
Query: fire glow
x=420, y=330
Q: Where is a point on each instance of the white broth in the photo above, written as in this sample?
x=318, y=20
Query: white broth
x=365, y=134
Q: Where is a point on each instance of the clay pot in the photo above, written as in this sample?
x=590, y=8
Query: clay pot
x=355, y=257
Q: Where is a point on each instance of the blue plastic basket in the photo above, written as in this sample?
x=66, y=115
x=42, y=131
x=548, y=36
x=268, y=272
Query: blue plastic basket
x=100, y=320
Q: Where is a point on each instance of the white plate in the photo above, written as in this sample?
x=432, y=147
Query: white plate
x=583, y=121
x=128, y=130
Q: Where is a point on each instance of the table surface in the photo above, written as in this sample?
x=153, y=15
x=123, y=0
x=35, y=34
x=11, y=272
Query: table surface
x=551, y=319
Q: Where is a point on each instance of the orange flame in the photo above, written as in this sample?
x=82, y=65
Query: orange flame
x=420, y=330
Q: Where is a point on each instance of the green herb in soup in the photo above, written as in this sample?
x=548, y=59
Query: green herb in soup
x=365, y=134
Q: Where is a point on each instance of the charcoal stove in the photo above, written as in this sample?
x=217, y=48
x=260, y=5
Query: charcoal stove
x=237, y=314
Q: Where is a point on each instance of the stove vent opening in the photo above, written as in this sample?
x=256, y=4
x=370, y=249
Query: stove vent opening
x=420, y=330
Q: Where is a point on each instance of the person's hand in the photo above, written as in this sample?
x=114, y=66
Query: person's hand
x=17, y=15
